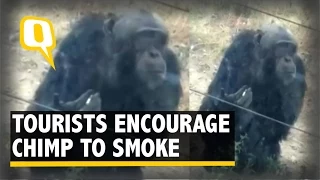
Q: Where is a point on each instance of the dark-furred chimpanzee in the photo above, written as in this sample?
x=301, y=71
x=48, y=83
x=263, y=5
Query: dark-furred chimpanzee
x=112, y=63
x=260, y=71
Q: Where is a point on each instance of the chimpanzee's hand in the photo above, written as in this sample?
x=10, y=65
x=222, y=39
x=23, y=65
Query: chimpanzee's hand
x=243, y=97
x=93, y=103
x=88, y=101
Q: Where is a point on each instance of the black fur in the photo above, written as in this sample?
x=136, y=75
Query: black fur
x=246, y=66
x=91, y=59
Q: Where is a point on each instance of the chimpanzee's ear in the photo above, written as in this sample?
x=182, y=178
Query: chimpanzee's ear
x=109, y=23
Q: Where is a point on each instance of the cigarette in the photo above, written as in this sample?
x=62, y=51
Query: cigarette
x=88, y=100
x=244, y=93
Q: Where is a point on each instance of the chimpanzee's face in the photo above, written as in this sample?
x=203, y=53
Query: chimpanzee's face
x=151, y=66
x=285, y=67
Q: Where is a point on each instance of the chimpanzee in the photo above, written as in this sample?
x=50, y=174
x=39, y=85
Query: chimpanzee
x=112, y=63
x=260, y=71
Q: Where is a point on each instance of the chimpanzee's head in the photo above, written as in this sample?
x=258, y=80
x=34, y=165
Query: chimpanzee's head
x=279, y=50
x=139, y=41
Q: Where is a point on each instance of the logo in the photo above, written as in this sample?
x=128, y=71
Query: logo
x=37, y=34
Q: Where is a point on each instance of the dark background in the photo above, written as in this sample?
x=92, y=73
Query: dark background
x=75, y=154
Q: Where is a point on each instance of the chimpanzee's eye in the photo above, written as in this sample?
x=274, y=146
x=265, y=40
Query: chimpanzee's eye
x=159, y=42
x=284, y=49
